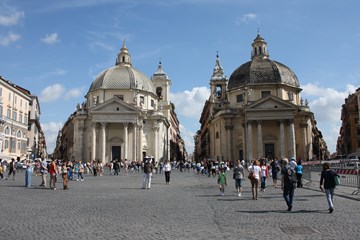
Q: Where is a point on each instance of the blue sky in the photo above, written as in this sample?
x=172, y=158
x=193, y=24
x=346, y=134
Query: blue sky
x=55, y=49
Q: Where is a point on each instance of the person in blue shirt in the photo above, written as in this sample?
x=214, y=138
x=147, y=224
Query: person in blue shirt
x=299, y=173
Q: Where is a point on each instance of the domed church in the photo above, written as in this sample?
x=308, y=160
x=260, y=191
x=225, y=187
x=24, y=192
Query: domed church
x=126, y=115
x=258, y=112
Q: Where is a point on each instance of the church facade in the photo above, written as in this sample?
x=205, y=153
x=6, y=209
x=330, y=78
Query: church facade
x=126, y=115
x=258, y=112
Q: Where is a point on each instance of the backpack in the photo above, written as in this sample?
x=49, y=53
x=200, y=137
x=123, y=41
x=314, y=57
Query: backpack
x=291, y=174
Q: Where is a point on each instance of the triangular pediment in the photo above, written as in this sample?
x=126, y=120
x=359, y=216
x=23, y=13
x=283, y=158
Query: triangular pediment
x=271, y=103
x=114, y=105
x=271, y=108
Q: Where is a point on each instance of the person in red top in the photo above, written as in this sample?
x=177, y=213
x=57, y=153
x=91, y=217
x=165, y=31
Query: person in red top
x=53, y=173
x=264, y=173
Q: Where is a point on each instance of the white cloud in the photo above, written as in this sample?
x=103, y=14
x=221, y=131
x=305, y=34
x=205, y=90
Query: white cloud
x=51, y=38
x=247, y=18
x=326, y=105
x=57, y=91
x=52, y=93
x=188, y=137
x=9, y=38
x=74, y=93
x=190, y=103
x=12, y=18
x=51, y=131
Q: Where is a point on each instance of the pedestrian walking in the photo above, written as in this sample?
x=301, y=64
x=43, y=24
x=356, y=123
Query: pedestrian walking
x=28, y=173
x=126, y=166
x=255, y=169
x=264, y=174
x=148, y=169
x=43, y=172
x=275, y=169
x=64, y=175
x=80, y=171
x=53, y=173
x=1, y=170
x=238, y=177
x=222, y=181
x=116, y=167
x=299, y=173
x=167, y=170
x=288, y=183
x=327, y=178
x=12, y=169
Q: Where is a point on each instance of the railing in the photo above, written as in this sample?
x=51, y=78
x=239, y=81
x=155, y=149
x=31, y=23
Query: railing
x=349, y=175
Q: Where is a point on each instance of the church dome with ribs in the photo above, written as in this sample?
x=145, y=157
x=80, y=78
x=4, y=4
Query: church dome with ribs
x=122, y=76
x=262, y=70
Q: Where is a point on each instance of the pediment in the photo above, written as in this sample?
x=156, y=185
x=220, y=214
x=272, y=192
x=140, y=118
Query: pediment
x=272, y=103
x=270, y=108
x=114, y=105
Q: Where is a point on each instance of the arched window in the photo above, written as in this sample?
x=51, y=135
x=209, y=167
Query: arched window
x=159, y=93
x=7, y=130
x=217, y=135
x=18, y=134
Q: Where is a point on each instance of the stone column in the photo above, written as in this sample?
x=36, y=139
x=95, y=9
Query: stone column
x=305, y=149
x=282, y=139
x=249, y=148
x=103, y=130
x=93, y=126
x=80, y=152
x=259, y=140
x=292, y=138
x=135, y=143
x=156, y=130
x=126, y=140
x=141, y=131
x=229, y=143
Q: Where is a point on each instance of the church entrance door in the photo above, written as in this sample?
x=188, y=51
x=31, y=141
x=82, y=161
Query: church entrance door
x=116, y=152
x=269, y=150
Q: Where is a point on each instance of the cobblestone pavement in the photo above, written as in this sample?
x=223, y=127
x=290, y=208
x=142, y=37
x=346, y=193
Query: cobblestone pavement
x=115, y=207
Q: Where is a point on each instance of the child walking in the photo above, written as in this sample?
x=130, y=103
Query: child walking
x=222, y=181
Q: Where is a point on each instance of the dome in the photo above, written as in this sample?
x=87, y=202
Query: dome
x=122, y=76
x=262, y=70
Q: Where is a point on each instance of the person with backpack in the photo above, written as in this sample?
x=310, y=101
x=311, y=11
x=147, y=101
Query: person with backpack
x=288, y=183
x=328, y=179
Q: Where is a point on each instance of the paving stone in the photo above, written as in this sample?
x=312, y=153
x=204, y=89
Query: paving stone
x=115, y=207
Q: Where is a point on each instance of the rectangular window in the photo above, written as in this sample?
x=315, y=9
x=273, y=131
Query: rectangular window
x=25, y=120
x=0, y=92
x=1, y=111
x=20, y=102
x=14, y=115
x=9, y=97
x=152, y=103
x=239, y=98
x=15, y=100
x=120, y=97
x=8, y=114
x=265, y=94
x=20, y=117
x=142, y=99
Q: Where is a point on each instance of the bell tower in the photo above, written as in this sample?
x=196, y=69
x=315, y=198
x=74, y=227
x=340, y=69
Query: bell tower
x=218, y=83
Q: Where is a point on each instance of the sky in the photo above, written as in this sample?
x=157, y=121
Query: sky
x=55, y=49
